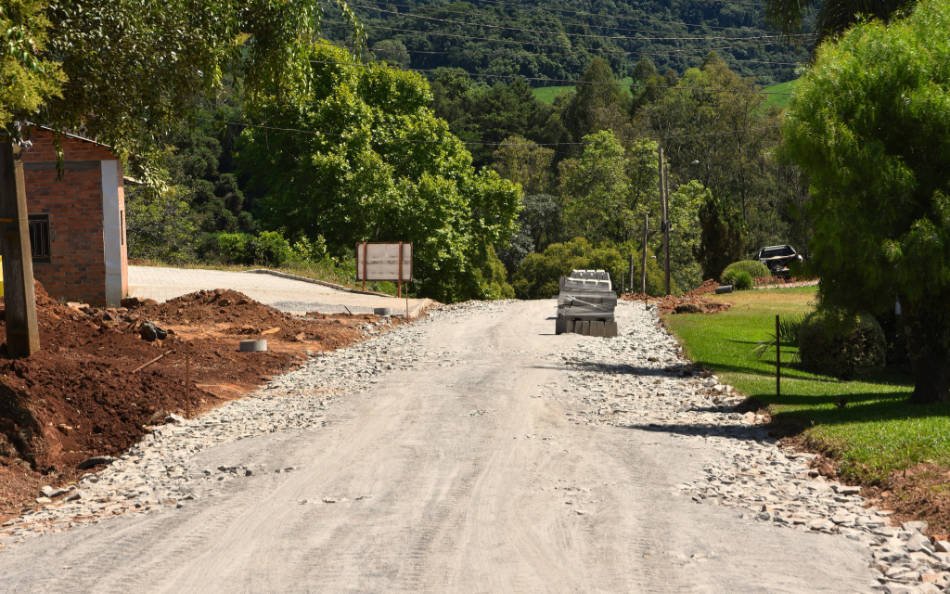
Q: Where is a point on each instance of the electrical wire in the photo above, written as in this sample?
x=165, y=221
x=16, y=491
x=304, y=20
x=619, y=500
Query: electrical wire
x=495, y=144
x=550, y=18
x=559, y=82
x=561, y=46
x=582, y=35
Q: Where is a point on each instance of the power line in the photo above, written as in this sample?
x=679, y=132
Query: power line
x=561, y=46
x=580, y=35
x=560, y=82
x=596, y=14
x=551, y=18
x=495, y=144
x=730, y=56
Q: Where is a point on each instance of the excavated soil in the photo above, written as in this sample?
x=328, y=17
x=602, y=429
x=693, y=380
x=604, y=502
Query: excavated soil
x=690, y=302
x=86, y=392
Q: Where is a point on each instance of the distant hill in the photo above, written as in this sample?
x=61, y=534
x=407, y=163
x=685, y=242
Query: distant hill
x=556, y=39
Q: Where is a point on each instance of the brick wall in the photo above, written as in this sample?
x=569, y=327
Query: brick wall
x=76, y=270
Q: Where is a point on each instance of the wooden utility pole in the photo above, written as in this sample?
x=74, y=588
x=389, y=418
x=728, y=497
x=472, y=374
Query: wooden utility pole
x=23, y=338
x=643, y=258
x=664, y=198
x=630, y=276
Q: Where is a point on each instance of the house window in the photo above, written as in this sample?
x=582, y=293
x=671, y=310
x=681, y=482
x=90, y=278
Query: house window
x=39, y=237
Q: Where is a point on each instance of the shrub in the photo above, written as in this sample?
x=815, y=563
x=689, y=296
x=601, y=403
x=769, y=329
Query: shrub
x=740, y=279
x=834, y=343
x=233, y=247
x=753, y=268
x=270, y=248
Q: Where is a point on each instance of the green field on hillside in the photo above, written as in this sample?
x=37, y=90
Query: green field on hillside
x=866, y=423
x=781, y=100
x=548, y=94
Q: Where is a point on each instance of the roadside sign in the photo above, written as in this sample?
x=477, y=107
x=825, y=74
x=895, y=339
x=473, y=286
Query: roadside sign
x=384, y=262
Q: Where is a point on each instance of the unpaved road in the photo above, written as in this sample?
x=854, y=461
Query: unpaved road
x=458, y=475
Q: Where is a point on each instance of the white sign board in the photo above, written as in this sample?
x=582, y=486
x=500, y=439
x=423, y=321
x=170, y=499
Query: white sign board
x=382, y=262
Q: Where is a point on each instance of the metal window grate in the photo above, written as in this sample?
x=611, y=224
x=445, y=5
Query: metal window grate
x=39, y=237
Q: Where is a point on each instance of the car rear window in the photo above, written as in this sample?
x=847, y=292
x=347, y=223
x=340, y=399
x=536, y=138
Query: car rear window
x=777, y=251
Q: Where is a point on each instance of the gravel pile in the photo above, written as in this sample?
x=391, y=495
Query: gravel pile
x=641, y=380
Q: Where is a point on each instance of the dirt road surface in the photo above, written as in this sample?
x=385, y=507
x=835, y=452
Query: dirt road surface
x=465, y=476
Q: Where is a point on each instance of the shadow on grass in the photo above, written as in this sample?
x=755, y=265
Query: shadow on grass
x=860, y=408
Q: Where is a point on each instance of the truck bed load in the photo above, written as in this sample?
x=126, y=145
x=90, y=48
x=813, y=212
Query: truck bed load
x=586, y=304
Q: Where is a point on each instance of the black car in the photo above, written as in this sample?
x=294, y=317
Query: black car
x=777, y=258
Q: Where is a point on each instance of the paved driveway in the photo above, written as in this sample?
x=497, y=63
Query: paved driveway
x=286, y=294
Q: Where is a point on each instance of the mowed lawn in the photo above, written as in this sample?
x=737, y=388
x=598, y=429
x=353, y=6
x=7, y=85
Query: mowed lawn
x=866, y=423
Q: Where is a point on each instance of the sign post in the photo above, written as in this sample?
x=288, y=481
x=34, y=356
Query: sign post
x=384, y=262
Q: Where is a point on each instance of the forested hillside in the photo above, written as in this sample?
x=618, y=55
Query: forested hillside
x=556, y=40
x=432, y=132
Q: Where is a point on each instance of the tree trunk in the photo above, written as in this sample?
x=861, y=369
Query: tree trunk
x=929, y=352
x=931, y=378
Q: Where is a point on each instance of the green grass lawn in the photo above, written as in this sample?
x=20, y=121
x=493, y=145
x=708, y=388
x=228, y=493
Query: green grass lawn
x=781, y=100
x=878, y=430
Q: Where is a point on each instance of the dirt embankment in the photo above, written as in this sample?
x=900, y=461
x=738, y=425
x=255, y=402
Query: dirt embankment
x=86, y=393
x=690, y=302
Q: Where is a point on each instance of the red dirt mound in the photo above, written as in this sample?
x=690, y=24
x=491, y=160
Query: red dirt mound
x=689, y=302
x=86, y=393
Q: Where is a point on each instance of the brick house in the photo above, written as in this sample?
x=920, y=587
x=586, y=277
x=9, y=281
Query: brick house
x=77, y=221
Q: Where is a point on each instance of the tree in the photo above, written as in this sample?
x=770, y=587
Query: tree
x=524, y=162
x=870, y=126
x=392, y=51
x=594, y=188
x=28, y=78
x=363, y=158
x=834, y=16
x=715, y=128
x=599, y=104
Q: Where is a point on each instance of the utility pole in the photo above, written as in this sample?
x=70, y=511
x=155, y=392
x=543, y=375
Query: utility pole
x=19, y=297
x=643, y=269
x=665, y=226
x=631, y=271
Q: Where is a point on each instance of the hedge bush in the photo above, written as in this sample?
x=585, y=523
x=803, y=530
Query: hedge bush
x=834, y=343
x=741, y=280
x=268, y=248
x=753, y=268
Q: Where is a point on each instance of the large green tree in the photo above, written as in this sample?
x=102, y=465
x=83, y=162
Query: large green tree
x=363, y=158
x=834, y=16
x=27, y=77
x=870, y=125
x=715, y=128
x=126, y=71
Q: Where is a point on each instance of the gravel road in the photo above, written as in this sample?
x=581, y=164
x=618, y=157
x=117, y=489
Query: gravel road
x=473, y=452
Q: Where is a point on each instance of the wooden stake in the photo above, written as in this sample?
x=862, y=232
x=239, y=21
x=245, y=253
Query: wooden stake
x=364, y=265
x=778, y=361
x=147, y=363
x=399, y=295
x=23, y=337
x=188, y=385
x=643, y=262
